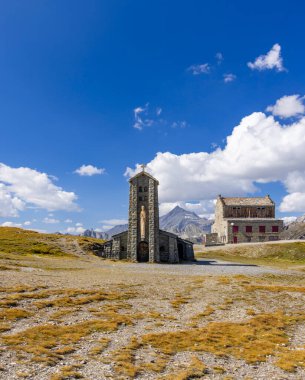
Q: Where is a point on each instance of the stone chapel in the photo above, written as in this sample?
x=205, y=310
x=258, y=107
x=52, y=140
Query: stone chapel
x=144, y=241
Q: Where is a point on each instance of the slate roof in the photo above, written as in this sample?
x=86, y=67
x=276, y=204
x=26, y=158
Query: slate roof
x=145, y=174
x=247, y=201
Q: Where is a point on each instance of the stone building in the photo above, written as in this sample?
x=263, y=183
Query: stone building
x=241, y=220
x=144, y=241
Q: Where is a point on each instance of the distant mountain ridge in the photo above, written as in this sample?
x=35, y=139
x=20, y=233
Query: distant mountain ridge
x=295, y=230
x=186, y=224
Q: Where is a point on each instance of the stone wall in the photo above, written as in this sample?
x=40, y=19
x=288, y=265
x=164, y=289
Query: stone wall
x=143, y=192
x=255, y=236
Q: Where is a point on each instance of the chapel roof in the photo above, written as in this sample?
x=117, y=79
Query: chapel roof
x=143, y=173
x=247, y=201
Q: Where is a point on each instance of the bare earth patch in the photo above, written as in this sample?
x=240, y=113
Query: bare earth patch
x=87, y=318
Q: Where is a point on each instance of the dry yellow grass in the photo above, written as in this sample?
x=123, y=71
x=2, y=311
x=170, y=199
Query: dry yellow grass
x=14, y=314
x=67, y=373
x=179, y=300
x=196, y=369
x=43, y=340
x=251, y=340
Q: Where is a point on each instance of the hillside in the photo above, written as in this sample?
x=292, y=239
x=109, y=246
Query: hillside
x=277, y=253
x=24, y=242
x=295, y=230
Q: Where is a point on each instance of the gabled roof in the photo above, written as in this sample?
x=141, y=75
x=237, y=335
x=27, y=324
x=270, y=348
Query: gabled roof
x=247, y=201
x=145, y=174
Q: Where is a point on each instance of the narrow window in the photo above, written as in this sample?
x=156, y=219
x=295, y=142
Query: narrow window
x=145, y=197
x=140, y=199
x=275, y=228
x=249, y=229
x=235, y=228
x=262, y=229
x=145, y=188
x=140, y=189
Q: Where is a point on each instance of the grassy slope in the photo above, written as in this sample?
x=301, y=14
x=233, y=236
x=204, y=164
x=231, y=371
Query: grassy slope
x=284, y=255
x=23, y=242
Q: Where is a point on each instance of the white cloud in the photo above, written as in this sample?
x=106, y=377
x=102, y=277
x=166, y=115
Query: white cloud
x=179, y=124
x=10, y=205
x=200, y=69
x=269, y=61
x=289, y=219
x=219, y=57
x=144, y=117
x=75, y=230
x=11, y=224
x=89, y=170
x=259, y=150
x=50, y=221
x=79, y=224
x=27, y=223
x=227, y=78
x=68, y=221
x=288, y=106
x=22, y=187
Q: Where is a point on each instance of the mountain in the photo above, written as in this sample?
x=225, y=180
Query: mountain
x=95, y=234
x=117, y=229
x=295, y=230
x=185, y=224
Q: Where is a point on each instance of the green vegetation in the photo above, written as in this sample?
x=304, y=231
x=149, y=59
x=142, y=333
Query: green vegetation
x=281, y=254
x=23, y=242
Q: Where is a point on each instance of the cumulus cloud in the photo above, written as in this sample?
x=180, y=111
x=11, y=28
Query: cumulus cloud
x=259, y=150
x=22, y=187
x=203, y=68
x=75, y=230
x=89, y=170
x=50, y=221
x=288, y=106
x=11, y=224
x=227, y=78
x=269, y=61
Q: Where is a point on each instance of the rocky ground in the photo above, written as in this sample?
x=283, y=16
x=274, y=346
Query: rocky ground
x=67, y=318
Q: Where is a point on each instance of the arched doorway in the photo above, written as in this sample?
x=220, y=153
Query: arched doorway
x=143, y=253
x=180, y=251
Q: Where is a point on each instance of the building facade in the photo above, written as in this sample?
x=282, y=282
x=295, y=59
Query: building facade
x=242, y=220
x=144, y=241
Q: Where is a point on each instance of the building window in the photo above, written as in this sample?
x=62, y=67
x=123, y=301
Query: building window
x=145, y=189
x=122, y=248
x=235, y=229
x=140, y=199
x=145, y=197
x=261, y=238
x=262, y=229
x=140, y=189
x=249, y=229
x=275, y=228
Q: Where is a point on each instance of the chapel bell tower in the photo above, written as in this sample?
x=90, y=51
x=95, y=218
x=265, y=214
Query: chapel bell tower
x=143, y=220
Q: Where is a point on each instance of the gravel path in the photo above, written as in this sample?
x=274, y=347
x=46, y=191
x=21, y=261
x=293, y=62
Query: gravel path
x=201, y=267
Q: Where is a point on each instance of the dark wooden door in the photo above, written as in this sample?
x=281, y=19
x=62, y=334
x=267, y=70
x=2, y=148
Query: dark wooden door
x=235, y=239
x=143, y=253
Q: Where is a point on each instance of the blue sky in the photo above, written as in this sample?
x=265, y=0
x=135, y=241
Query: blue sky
x=112, y=83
